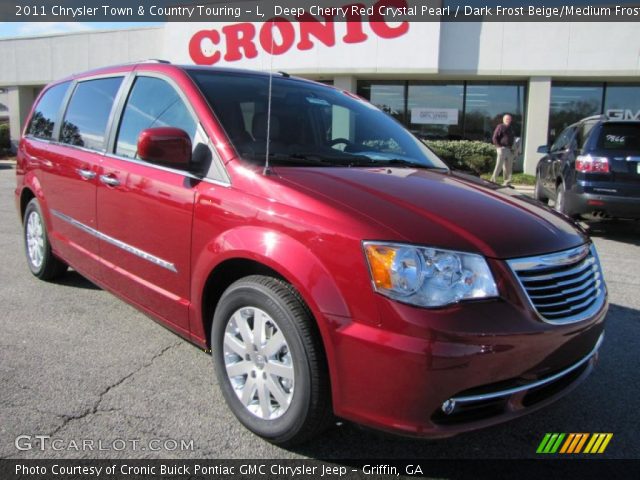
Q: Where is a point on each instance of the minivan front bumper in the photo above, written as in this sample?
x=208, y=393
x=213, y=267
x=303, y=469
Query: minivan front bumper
x=437, y=382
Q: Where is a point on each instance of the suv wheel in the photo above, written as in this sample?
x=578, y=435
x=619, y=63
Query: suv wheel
x=269, y=361
x=561, y=205
x=538, y=192
x=42, y=263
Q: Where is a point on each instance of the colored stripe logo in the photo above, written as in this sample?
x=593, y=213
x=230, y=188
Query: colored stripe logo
x=592, y=443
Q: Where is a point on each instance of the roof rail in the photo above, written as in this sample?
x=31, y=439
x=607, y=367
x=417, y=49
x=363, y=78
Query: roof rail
x=155, y=60
x=601, y=116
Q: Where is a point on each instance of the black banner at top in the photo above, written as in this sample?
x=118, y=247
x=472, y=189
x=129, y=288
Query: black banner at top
x=318, y=10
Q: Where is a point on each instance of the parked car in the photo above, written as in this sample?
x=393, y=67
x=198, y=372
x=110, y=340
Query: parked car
x=593, y=168
x=331, y=262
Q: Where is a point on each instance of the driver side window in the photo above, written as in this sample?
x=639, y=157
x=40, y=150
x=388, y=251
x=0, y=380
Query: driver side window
x=151, y=103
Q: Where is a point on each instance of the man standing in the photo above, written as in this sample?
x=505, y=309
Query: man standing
x=503, y=140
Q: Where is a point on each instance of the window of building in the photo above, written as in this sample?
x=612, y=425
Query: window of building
x=449, y=110
x=572, y=102
x=152, y=103
x=388, y=96
x=45, y=115
x=85, y=122
x=435, y=110
x=486, y=104
x=622, y=102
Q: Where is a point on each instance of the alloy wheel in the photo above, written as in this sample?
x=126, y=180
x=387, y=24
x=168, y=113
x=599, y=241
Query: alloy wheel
x=258, y=363
x=35, y=239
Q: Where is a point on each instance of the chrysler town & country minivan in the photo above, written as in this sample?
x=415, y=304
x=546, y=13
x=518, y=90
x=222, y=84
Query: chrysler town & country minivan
x=335, y=267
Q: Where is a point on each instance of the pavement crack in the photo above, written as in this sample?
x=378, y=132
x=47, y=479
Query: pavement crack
x=95, y=408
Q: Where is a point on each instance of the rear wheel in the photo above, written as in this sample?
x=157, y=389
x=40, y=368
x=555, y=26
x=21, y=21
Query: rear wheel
x=42, y=262
x=561, y=200
x=538, y=192
x=269, y=361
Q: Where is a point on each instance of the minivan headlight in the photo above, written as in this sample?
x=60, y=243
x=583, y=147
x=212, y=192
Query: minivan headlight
x=428, y=277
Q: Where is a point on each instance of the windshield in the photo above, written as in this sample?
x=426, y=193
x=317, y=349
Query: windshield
x=310, y=124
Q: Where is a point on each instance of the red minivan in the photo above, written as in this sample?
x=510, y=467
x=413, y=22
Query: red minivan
x=331, y=262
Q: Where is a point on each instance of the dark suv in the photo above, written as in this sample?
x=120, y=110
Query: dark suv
x=593, y=167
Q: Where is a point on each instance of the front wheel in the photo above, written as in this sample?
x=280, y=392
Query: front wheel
x=269, y=361
x=41, y=260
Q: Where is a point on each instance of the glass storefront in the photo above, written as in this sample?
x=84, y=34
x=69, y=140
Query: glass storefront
x=435, y=109
x=449, y=110
x=572, y=101
x=622, y=101
x=487, y=103
x=390, y=97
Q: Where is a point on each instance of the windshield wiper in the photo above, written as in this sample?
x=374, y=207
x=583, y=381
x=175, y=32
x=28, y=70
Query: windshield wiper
x=292, y=158
x=393, y=162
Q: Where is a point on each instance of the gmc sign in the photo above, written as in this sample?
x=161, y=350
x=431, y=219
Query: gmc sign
x=622, y=114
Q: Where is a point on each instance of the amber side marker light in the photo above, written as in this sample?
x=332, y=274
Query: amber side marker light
x=380, y=261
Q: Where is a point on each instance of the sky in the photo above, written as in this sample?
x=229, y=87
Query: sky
x=21, y=29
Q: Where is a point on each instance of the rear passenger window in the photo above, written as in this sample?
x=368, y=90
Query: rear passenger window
x=583, y=133
x=563, y=140
x=45, y=114
x=152, y=103
x=85, y=122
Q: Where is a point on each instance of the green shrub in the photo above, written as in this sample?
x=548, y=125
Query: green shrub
x=4, y=136
x=470, y=155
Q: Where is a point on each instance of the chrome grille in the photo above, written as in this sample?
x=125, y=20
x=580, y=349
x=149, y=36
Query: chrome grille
x=562, y=287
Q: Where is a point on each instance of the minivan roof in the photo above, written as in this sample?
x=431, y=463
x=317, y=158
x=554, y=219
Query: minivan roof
x=163, y=65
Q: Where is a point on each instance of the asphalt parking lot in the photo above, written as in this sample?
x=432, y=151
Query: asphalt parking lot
x=76, y=363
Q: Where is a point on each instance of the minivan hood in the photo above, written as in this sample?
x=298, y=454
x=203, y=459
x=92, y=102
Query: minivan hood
x=440, y=209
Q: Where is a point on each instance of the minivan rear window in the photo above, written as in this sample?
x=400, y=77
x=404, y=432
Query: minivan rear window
x=85, y=122
x=617, y=136
x=45, y=114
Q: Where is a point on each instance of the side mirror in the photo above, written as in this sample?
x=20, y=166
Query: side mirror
x=543, y=149
x=166, y=146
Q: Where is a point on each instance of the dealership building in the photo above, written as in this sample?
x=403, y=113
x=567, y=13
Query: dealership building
x=449, y=80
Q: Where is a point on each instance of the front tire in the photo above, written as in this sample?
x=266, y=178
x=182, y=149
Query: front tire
x=41, y=260
x=269, y=361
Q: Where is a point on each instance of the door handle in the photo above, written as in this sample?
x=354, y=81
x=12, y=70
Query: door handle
x=86, y=174
x=109, y=180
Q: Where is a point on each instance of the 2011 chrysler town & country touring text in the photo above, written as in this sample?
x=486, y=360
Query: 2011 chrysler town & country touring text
x=352, y=274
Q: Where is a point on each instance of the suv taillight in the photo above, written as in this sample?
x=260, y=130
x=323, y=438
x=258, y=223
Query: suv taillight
x=589, y=164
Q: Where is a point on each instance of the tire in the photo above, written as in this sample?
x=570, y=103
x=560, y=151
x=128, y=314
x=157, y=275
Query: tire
x=41, y=260
x=538, y=192
x=561, y=197
x=278, y=385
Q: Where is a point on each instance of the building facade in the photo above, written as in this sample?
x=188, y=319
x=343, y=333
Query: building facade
x=442, y=80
